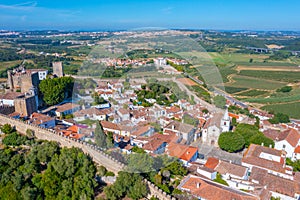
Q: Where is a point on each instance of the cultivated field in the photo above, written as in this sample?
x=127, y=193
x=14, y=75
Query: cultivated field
x=187, y=81
x=256, y=83
x=291, y=109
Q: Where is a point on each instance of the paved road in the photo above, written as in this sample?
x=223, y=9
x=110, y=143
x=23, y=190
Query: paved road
x=230, y=98
x=212, y=108
x=211, y=151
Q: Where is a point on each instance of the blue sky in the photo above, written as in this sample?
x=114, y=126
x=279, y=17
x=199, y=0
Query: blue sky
x=122, y=14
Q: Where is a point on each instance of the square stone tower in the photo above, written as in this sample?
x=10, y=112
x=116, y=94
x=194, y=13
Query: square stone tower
x=58, y=69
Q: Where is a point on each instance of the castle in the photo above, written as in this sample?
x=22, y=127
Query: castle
x=58, y=69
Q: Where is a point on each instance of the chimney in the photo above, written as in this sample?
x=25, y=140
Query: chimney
x=270, y=146
x=173, y=127
x=198, y=185
x=262, y=144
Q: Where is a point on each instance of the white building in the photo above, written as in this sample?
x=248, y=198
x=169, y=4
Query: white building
x=41, y=72
x=214, y=126
x=160, y=61
x=287, y=141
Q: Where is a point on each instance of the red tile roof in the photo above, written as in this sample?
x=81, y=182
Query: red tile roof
x=211, y=162
x=212, y=191
x=292, y=136
x=181, y=151
x=110, y=125
x=66, y=106
x=141, y=130
x=252, y=156
x=297, y=149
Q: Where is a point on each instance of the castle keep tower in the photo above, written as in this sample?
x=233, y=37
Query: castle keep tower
x=58, y=69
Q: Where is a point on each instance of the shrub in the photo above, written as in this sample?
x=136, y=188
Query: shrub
x=7, y=129
x=231, y=142
x=279, y=118
x=14, y=139
x=285, y=89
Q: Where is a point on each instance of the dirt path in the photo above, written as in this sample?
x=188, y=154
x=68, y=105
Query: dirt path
x=271, y=68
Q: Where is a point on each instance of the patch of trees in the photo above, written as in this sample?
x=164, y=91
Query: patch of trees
x=12, y=138
x=243, y=136
x=280, y=55
x=101, y=70
x=219, y=101
x=285, y=89
x=98, y=99
x=180, y=68
x=102, y=140
x=279, y=118
x=200, y=92
x=129, y=185
x=136, y=149
x=231, y=142
x=56, y=90
x=9, y=54
x=156, y=91
x=238, y=110
x=294, y=164
x=46, y=171
x=163, y=171
x=190, y=120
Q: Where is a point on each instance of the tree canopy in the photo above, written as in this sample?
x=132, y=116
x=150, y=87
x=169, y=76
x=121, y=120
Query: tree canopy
x=46, y=171
x=55, y=90
x=231, y=142
x=127, y=184
x=100, y=136
x=245, y=134
x=279, y=118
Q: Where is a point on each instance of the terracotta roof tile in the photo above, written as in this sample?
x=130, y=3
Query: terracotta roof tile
x=209, y=190
x=292, y=136
x=211, y=162
x=66, y=106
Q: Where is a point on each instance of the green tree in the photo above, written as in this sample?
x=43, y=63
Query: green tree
x=231, y=142
x=234, y=122
x=140, y=163
x=14, y=139
x=219, y=101
x=246, y=131
x=100, y=136
x=102, y=170
x=110, y=140
x=55, y=90
x=30, y=133
x=7, y=129
x=176, y=168
x=136, y=149
x=260, y=138
x=279, y=118
x=285, y=89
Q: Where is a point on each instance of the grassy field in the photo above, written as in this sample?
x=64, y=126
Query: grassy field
x=291, y=109
x=254, y=83
x=285, y=76
x=5, y=65
x=252, y=93
x=232, y=90
x=244, y=59
x=226, y=71
x=278, y=97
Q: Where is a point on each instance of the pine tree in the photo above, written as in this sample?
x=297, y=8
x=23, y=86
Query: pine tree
x=100, y=137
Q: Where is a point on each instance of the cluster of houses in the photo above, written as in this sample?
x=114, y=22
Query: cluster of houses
x=262, y=174
x=159, y=129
